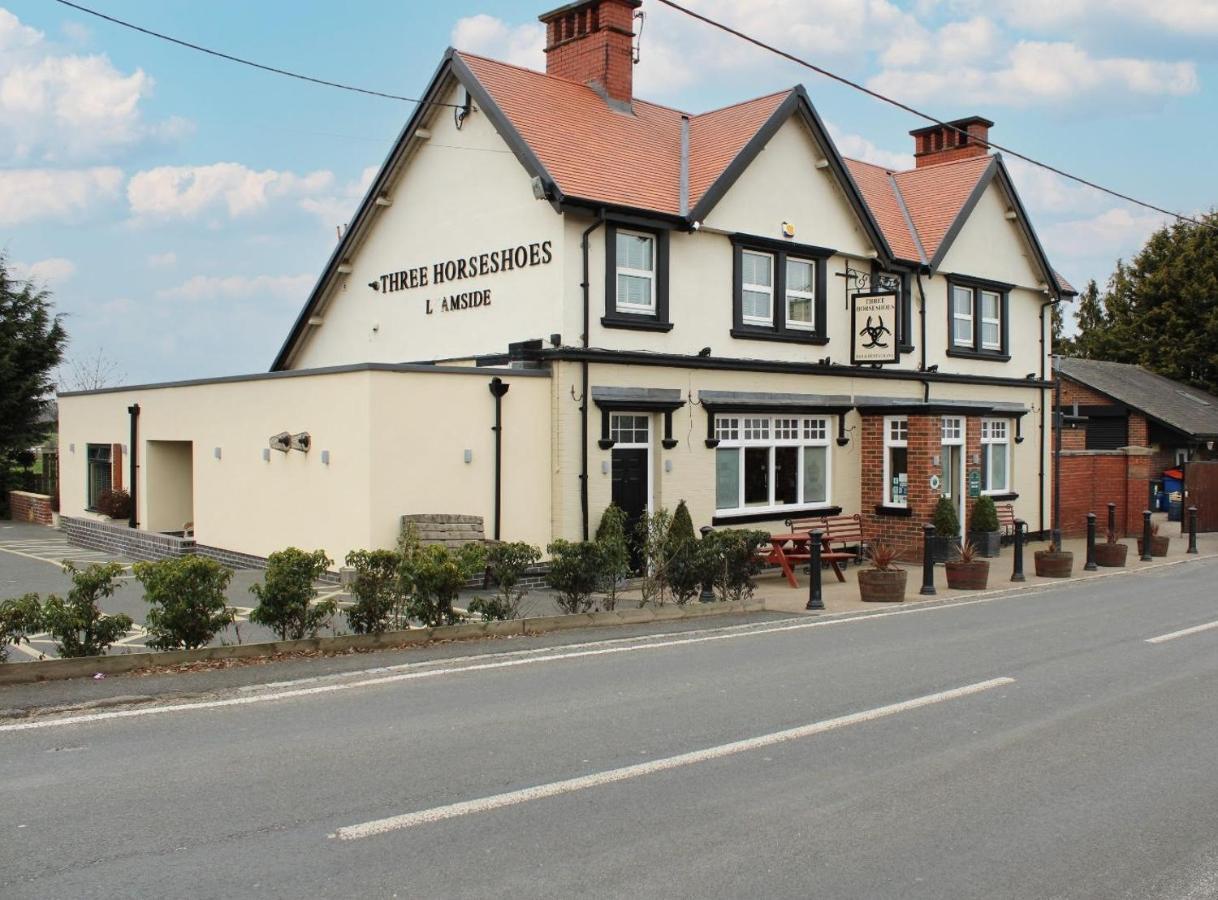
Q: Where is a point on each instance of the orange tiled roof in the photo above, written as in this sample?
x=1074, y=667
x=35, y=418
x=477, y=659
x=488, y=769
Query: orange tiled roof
x=875, y=183
x=717, y=137
x=935, y=195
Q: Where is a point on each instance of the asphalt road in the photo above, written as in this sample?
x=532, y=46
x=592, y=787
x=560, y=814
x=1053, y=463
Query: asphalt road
x=1029, y=746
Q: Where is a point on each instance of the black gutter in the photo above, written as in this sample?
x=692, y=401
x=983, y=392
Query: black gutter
x=585, y=340
x=134, y=412
x=498, y=388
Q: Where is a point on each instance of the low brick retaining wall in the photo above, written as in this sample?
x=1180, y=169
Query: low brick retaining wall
x=25, y=506
x=120, y=540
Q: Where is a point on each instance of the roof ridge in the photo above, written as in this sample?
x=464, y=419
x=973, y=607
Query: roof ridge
x=863, y=162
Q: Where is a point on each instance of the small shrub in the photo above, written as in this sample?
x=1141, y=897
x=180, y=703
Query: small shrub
x=438, y=574
x=575, y=573
x=506, y=564
x=967, y=552
x=115, y=504
x=652, y=536
x=614, y=553
x=493, y=609
x=1111, y=536
x=685, y=571
x=377, y=603
x=187, y=600
x=77, y=623
x=19, y=618
x=945, y=519
x=729, y=559
x=882, y=557
x=985, y=515
x=286, y=595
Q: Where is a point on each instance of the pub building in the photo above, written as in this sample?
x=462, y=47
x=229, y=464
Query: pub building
x=556, y=295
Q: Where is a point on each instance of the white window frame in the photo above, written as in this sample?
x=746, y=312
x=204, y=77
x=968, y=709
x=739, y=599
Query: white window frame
x=649, y=274
x=896, y=434
x=738, y=431
x=996, y=321
x=634, y=445
x=789, y=294
x=988, y=442
x=958, y=316
x=768, y=289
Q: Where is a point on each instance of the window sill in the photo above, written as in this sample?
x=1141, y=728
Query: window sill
x=988, y=355
x=781, y=515
x=1001, y=495
x=635, y=323
x=896, y=511
x=789, y=337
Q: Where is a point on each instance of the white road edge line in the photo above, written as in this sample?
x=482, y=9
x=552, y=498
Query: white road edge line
x=1184, y=632
x=553, y=789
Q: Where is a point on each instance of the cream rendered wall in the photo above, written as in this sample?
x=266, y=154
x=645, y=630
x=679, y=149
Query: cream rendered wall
x=460, y=193
x=168, y=485
x=991, y=247
x=420, y=429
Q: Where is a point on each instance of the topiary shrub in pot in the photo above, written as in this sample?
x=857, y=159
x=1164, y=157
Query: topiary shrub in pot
x=1111, y=554
x=967, y=572
x=883, y=581
x=944, y=544
x=1159, y=543
x=1054, y=562
x=984, y=533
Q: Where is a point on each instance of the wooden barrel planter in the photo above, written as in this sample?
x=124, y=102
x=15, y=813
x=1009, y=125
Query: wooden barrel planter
x=1158, y=545
x=1054, y=563
x=968, y=576
x=1111, y=555
x=876, y=586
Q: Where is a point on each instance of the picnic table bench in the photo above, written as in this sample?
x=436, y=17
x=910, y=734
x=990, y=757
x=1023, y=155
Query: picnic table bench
x=1006, y=518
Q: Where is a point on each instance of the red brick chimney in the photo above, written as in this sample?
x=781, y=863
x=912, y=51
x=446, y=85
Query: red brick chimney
x=939, y=144
x=592, y=42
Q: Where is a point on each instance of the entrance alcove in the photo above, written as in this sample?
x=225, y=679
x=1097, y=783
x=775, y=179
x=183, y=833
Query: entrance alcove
x=169, y=486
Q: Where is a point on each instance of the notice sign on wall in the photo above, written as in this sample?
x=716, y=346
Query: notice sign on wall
x=874, y=325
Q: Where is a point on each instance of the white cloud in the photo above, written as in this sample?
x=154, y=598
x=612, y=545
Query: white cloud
x=1116, y=232
x=521, y=45
x=855, y=146
x=162, y=260
x=54, y=270
x=58, y=107
x=186, y=192
x=337, y=208
x=28, y=195
x=1188, y=17
x=240, y=287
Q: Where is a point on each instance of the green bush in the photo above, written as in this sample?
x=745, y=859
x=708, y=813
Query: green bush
x=187, y=600
x=506, y=564
x=614, y=553
x=652, y=536
x=77, y=624
x=286, y=595
x=377, y=602
x=685, y=570
x=985, y=515
x=575, y=573
x=946, y=522
x=729, y=560
x=493, y=609
x=437, y=575
x=19, y=618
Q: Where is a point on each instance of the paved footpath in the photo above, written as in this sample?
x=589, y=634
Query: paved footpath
x=1050, y=744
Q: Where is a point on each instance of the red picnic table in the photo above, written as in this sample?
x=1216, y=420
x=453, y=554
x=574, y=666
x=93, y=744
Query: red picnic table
x=783, y=556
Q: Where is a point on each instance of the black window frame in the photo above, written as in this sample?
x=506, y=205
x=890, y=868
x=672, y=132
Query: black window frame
x=976, y=350
x=658, y=321
x=779, y=331
x=905, y=342
x=91, y=497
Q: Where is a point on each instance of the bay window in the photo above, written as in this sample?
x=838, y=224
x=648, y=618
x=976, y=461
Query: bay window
x=770, y=463
x=896, y=461
x=995, y=456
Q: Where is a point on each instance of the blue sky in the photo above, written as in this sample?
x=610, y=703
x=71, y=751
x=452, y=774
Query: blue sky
x=180, y=207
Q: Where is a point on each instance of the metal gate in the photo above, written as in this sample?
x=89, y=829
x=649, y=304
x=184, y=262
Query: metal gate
x=1201, y=491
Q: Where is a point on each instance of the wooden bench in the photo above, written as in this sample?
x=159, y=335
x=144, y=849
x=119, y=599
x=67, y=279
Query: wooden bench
x=1006, y=518
x=843, y=535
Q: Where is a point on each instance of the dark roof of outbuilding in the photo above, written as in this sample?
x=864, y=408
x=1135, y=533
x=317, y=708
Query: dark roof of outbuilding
x=1180, y=406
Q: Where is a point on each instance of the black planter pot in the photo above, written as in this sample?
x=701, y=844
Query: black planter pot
x=988, y=543
x=943, y=549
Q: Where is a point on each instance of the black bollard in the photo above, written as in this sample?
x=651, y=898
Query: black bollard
x=1090, y=566
x=1017, y=574
x=1112, y=519
x=928, y=562
x=815, y=601
x=1192, y=529
x=708, y=589
x=1146, y=557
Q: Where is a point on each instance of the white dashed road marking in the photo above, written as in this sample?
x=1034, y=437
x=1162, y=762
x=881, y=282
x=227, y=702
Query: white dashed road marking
x=1184, y=632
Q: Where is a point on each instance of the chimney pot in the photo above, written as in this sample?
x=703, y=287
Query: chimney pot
x=944, y=143
x=592, y=42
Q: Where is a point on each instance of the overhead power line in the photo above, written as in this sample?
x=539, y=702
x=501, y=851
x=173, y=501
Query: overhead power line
x=247, y=62
x=884, y=98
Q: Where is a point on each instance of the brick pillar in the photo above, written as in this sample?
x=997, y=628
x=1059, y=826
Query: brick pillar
x=1137, y=487
x=116, y=467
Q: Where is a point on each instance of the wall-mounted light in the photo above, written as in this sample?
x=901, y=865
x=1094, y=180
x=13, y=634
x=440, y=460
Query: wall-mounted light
x=217, y=453
x=301, y=441
x=604, y=467
x=266, y=455
x=469, y=455
x=788, y=230
x=281, y=442
x=71, y=448
x=704, y=352
x=668, y=465
x=325, y=457
x=375, y=285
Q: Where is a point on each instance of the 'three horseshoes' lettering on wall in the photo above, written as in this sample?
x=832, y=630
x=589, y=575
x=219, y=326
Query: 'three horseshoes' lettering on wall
x=479, y=265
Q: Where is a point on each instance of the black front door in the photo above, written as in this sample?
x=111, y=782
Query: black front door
x=630, y=494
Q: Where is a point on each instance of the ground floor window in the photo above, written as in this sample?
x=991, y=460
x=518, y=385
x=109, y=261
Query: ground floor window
x=766, y=463
x=995, y=456
x=628, y=429
x=99, y=472
x=896, y=461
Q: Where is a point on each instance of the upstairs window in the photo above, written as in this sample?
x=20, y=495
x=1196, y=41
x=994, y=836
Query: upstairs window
x=977, y=315
x=779, y=291
x=636, y=277
x=757, y=288
x=801, y=294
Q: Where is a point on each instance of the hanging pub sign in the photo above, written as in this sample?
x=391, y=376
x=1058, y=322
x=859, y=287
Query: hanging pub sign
x=873, y=322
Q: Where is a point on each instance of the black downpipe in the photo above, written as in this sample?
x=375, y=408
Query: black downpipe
x=922, y=312
x=1040, y=503
x=134, y=412
x=498, y=389
x=583, y=404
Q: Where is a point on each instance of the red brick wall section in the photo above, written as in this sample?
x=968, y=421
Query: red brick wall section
x=604, y=55
x=1137, y=430
x=902, y=532
x=1091, y=480
x=1073, y=392
x=116, y=467
x=1074, y=439
x=27, y=507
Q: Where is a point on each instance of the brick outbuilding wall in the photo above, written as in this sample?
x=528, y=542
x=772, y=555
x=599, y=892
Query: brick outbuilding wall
x=27, y=507
x=1091, y=479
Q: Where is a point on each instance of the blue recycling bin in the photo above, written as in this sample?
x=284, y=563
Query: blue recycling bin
x=1173, y=493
